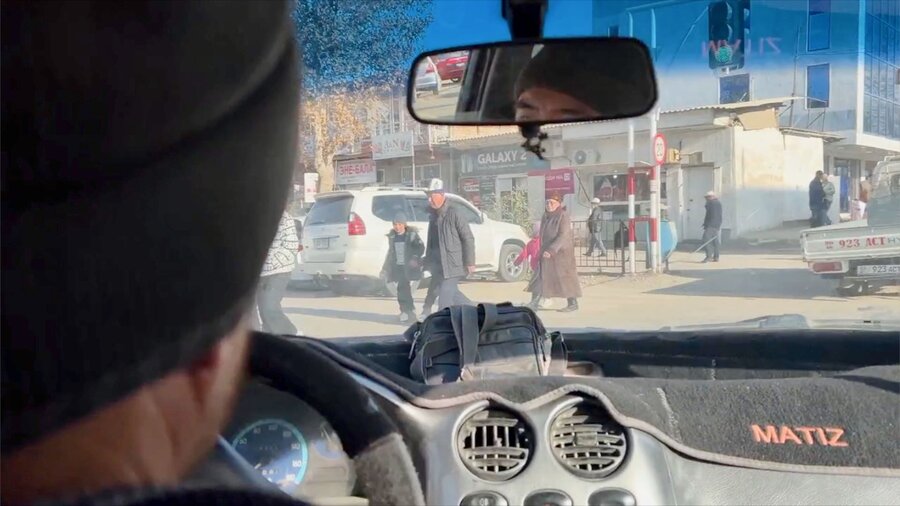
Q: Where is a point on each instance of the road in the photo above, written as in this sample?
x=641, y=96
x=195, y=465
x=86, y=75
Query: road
x=441, y=106
x=740, y=287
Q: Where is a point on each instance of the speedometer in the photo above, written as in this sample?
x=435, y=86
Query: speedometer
x=276, y=449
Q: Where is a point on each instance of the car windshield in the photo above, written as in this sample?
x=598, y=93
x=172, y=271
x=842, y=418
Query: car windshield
x=774, y=133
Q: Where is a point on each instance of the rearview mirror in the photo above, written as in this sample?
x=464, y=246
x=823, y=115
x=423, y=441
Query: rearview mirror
x=536, y=82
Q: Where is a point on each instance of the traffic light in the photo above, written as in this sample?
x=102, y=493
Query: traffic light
x=726, y=33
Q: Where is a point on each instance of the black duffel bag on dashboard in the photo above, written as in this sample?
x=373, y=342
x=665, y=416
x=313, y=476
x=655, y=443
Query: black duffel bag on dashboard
x=462, y=343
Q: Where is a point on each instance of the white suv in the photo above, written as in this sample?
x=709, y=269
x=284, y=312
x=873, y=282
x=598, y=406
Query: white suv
x=344, y=235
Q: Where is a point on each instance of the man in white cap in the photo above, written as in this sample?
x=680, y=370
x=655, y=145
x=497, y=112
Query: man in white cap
x=712, y=223
x=594, y=226
x=449, y=250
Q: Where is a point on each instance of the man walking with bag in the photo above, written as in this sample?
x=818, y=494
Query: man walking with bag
x=449, y=252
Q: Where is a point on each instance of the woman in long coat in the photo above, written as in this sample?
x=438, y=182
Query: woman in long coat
x=557, y=276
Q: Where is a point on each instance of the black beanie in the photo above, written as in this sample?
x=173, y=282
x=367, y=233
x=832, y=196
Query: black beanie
x=147, y=152
x=605, y=81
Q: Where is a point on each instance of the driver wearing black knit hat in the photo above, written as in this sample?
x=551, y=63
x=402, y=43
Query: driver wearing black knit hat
x=573, y=82
x=146, y=158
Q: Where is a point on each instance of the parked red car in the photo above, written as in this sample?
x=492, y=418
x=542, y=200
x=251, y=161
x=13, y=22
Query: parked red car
x=453, y=66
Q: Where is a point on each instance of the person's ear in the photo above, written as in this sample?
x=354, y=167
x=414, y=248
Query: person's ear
x=215, y=375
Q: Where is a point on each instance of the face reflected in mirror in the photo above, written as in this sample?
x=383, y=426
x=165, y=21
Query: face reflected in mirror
x=557, y=80
x=543, y=104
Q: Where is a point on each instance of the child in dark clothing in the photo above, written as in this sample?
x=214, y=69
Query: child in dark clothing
x=404, y=263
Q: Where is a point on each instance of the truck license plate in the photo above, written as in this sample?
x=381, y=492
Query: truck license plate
x=321, y=243
x=864, y=270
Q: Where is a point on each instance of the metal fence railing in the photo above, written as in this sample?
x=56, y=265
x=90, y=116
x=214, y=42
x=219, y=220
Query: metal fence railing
x=614, y=236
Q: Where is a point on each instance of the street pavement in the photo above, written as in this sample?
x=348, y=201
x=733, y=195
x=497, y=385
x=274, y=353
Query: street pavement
x=739, y=287
x=441, y=106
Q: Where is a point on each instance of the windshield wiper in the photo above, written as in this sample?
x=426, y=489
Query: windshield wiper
x=795, y=322
x=783, y=321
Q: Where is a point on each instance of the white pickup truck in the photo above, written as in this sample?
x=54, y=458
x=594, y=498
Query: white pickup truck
x=862, y=255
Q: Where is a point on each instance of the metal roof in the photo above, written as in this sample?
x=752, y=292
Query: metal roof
x=733, y=106
x=825, y=136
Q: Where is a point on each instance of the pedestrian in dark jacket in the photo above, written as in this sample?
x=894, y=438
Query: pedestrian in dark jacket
x=595, y=224
x=818, y=212
x=403, y=263
x=557, y=276
x=450, y=251
x=712, y=224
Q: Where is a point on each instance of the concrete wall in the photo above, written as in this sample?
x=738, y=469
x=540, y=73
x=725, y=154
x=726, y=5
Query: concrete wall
x=801, y=163
x=772, y=174
x=763, y=175
x=713, y=142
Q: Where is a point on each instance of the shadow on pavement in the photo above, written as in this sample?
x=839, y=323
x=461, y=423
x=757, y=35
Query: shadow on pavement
x=740, y=248
x=764, y=283
x=348, y=315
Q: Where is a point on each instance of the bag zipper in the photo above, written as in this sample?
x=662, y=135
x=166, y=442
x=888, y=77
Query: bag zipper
x=412, y=349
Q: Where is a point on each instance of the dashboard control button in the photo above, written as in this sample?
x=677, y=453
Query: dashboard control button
x=612, y=497
x=486, y=498
x=548, y=498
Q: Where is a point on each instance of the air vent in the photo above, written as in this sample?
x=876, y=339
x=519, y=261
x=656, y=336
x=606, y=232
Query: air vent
x=587, y=441
x=494, y=445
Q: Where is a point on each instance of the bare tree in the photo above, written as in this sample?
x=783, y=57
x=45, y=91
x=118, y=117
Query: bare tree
x=353, y=53
x=333, y=122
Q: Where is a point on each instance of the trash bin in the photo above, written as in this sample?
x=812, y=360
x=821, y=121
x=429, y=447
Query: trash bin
x=668, y=239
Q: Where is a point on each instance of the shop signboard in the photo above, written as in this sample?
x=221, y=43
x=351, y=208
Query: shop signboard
x=310, y=185
x=487, y=190
x=355, y=172
x=559, y=182
x=510, y=159
x=614, y=187
x=478, y=190
x=394, y=145
x=469, y=185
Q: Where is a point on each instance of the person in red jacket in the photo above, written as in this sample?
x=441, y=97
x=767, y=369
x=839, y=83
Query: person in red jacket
x=532, y=251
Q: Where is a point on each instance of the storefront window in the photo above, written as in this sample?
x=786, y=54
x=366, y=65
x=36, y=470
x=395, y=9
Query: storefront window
x=424, y=173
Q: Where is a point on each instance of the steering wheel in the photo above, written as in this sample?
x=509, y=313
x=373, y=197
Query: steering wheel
x=384, y=468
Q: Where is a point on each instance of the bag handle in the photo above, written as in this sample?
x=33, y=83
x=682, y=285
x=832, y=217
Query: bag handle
x=464, y=320
x=490, y=317
x=559, y=355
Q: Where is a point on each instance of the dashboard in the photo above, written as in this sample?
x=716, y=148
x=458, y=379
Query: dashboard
x=289, y=443
x=562, y=452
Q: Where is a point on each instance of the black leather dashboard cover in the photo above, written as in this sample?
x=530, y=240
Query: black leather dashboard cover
x=843, y=424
